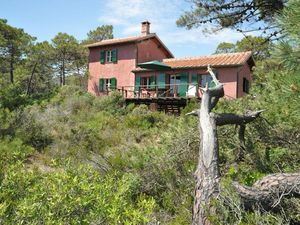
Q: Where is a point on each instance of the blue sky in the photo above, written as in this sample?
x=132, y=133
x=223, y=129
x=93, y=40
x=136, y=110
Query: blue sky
x=45, y=18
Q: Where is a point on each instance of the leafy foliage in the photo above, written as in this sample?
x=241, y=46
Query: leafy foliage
x=260, y=47
x=100, y=33
x=241, y=15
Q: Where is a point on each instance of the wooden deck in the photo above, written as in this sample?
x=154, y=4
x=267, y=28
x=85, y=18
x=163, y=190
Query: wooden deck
x=167, y=98
x=165, y=91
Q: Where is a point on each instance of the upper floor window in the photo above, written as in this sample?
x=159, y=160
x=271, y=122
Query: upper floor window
x=107, y=56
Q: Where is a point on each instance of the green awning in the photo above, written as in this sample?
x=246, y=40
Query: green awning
x=154, y=65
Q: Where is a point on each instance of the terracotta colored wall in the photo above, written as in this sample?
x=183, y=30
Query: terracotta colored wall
x=120, y=70
x=149, y=50
x=227, y=76
x=244, y=73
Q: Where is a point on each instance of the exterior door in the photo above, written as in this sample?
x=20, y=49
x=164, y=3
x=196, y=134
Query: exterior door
x=179, y=84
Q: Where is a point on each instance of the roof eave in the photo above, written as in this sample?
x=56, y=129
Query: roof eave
x=187, y=67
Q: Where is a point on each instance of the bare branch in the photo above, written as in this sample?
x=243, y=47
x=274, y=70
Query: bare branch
x=193, y=113
x=230, y=118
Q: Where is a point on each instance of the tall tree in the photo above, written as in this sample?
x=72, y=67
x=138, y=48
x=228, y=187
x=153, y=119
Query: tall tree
x=100, y=33
x=225, y=47
x=13, y=45
x=242, y=15
x=65, y=50
x=289, y=49
x=260, y=47
x=38, y=66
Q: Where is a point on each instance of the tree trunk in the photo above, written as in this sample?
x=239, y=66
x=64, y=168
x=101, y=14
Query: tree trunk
x=242, y=142
x=207, y=173
x=269, y=190
x=63, y=73
x=30, y=79
x=11, y=69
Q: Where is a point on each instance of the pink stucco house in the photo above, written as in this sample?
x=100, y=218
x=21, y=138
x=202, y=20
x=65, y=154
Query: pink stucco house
x=142, y=67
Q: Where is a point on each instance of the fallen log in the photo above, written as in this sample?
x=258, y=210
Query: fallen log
x=269, y=190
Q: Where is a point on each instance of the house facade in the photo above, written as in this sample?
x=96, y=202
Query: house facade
x=143, y=67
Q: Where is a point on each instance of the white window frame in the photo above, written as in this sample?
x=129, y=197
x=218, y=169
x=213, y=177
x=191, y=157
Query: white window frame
x=107, y=84
x=147, y=85
x=108, y=56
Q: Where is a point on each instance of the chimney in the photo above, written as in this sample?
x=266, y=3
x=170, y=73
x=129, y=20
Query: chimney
x=145, y=28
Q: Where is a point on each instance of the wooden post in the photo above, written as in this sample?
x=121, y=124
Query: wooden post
x=139, y=92
x=156, y=91
x=123, y=92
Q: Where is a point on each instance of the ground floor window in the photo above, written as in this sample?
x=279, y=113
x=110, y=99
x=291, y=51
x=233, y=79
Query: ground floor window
x=207, y=79
x=148, y=82
x=107, y=84
x=245, y=85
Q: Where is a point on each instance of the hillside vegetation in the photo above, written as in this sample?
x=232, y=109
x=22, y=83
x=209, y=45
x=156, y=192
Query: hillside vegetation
x=67, y=157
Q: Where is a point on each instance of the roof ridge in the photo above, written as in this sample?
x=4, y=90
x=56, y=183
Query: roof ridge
x=121, y=39
x=206, y=56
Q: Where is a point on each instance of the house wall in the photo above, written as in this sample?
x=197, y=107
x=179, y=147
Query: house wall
x=244, y=72
x=227, y=76
x=121, y=70
x=149, y=50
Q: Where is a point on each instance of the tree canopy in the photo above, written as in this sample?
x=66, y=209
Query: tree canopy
x=14, y=43
x=260, y=47
x=242, y=15
x=100, y=33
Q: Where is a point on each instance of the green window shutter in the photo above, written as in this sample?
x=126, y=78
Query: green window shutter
x=137, y=83
x=161, y=82
x=114, y=55
x=102, y=57
x=194, y=79
x=152, y=82
x=183, y=87
x=113, y=83
x=101, y=84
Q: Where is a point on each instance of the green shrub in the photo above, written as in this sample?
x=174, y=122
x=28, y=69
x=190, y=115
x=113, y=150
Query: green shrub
x=72, y=196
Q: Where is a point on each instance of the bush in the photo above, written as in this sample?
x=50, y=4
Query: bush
x=72, y=196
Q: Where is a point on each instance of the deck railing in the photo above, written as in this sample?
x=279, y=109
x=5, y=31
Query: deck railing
x=161, y=91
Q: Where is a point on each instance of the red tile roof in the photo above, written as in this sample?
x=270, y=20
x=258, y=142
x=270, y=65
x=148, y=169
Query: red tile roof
x=120, y=40
x=128, y=40
x=228, y=59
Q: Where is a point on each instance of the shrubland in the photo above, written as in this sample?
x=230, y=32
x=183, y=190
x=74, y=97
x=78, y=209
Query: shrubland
x=67, y=157
x=79, y=159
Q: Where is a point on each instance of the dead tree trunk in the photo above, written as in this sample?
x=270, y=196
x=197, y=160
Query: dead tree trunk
x=207, y=173
x=266, y=192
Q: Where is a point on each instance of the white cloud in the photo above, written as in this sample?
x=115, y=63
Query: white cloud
x=127, y=15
